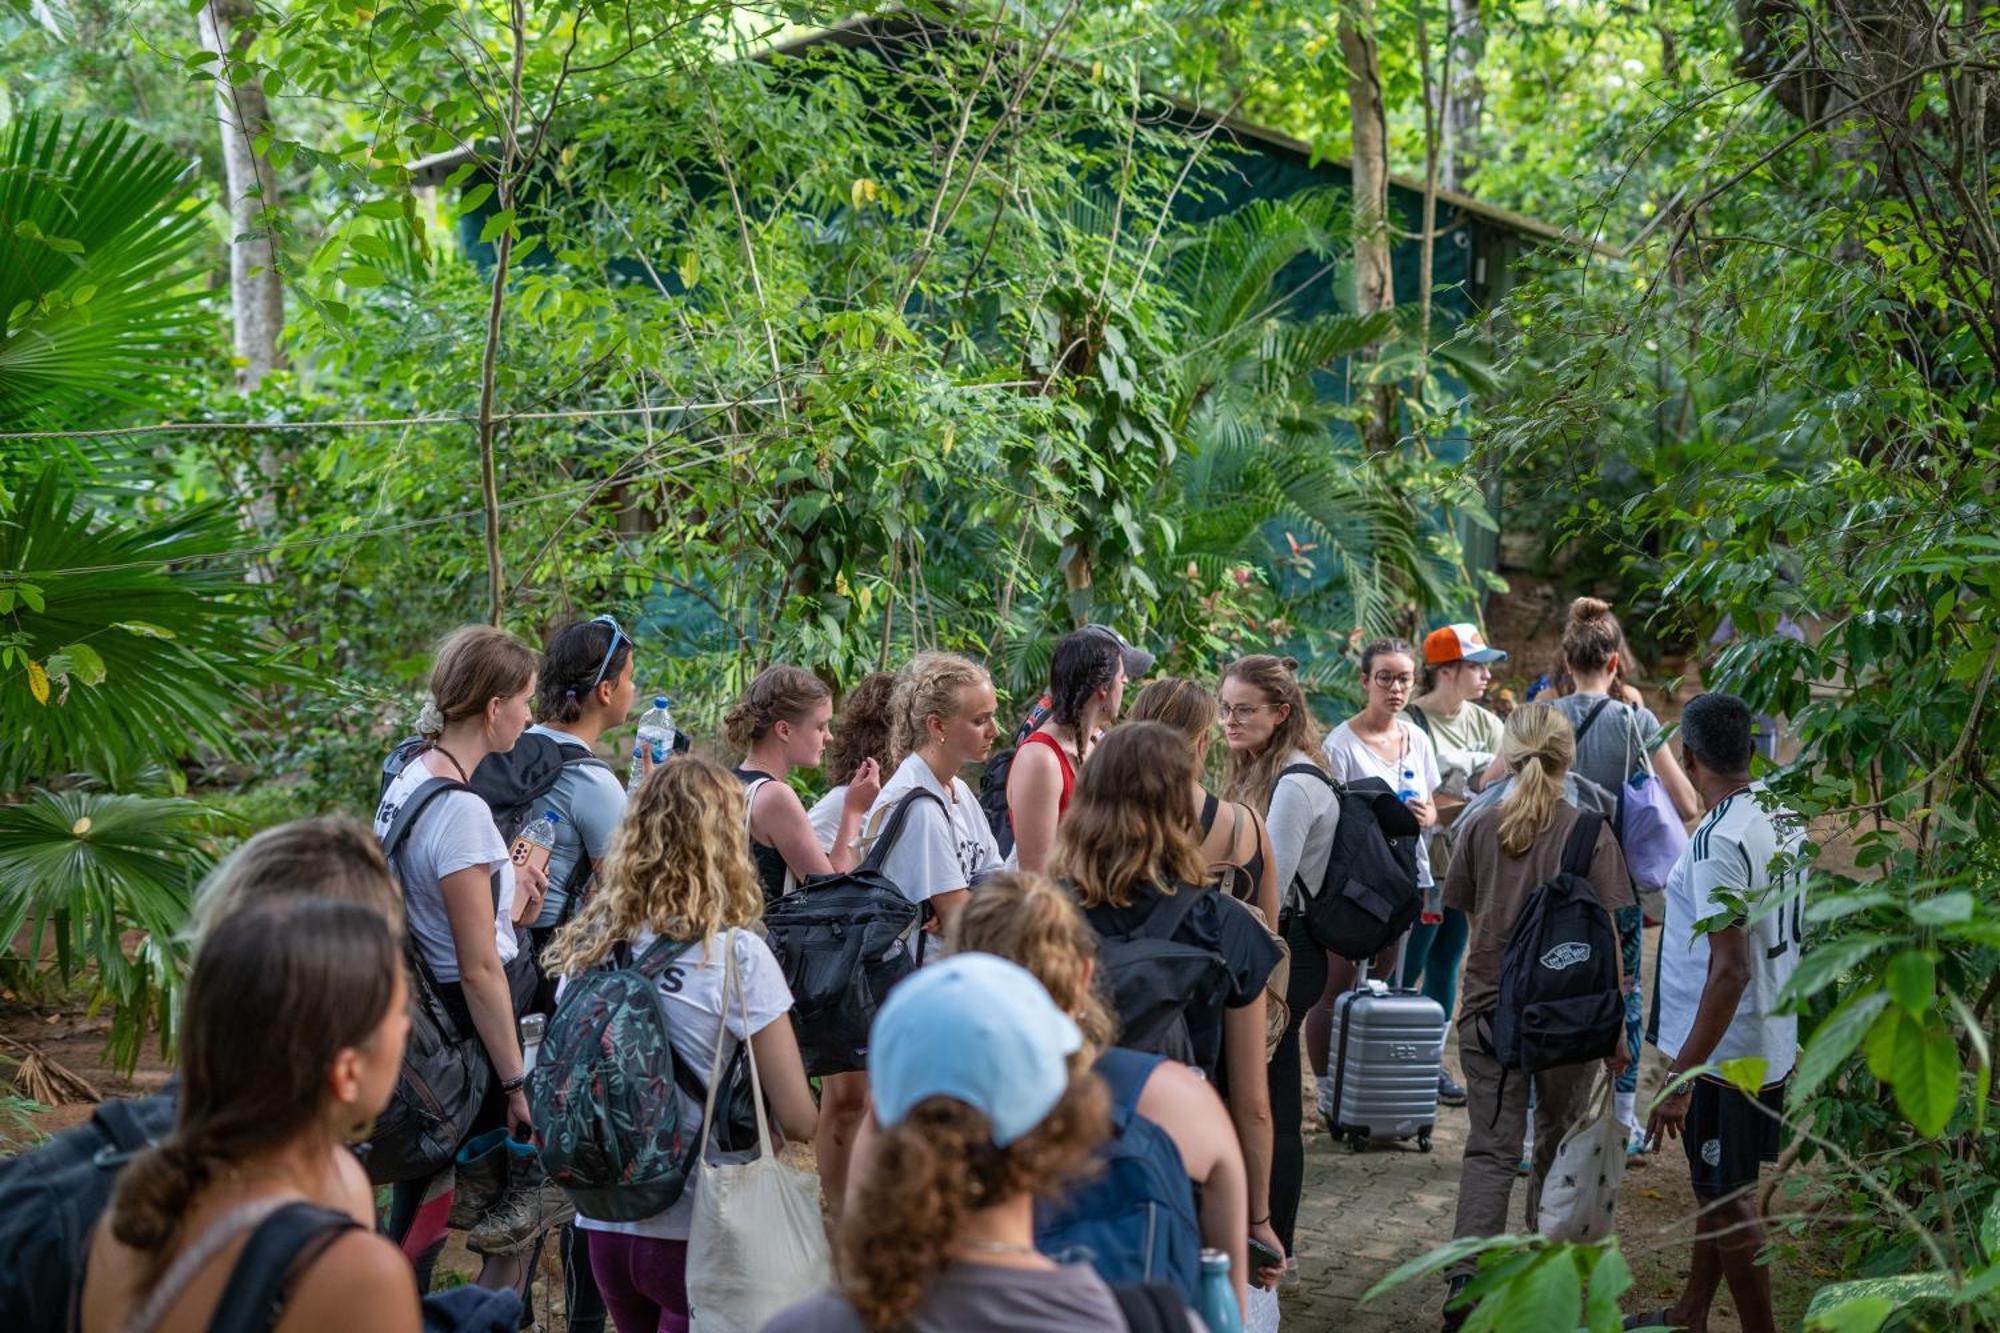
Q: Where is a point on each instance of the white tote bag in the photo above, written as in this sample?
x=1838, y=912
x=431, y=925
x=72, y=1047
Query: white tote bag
x=757, y=1242
x=1582, y=1188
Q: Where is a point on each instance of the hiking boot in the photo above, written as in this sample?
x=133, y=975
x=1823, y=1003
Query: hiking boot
x=1449, y=1093
x=1454, y=1319
x=533, y=1205
x=479, y=1178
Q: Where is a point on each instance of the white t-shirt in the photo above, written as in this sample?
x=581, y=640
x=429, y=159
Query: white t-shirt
x=454, y=831
x=938, y=850
x=1352, y=759
x=691, y=986
x=1731, y=854
x=824, y=816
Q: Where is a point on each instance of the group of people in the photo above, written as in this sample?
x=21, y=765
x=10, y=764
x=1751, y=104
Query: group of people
x=995, y=1072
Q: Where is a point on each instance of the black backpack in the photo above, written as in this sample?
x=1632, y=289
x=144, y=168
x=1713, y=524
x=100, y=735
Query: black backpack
x=842, y=942
x=1368, y=896
x=1559, y=997
x=445, y=1071
x=993, y=798
x=50, y=1200
x=514, y=785
x=1152, y=979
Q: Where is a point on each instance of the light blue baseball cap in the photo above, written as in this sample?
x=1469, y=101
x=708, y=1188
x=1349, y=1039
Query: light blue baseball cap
x=977, y=1029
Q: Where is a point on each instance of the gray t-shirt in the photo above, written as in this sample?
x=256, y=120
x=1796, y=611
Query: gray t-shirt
x=1615, y=746
x=975, y=1298
x=1302, y=819
x=591, y=801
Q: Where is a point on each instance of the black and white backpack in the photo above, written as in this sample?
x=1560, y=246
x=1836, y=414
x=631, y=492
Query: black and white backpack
x=1560, y=1003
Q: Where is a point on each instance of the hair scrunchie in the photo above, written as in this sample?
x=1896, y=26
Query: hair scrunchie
x=430, y=720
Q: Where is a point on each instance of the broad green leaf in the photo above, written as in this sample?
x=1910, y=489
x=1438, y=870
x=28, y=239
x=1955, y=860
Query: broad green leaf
x=1746, y=1073
x=1923, y=1069
x=85, y=664
x=496, y=224
x=1944, y=910
x=1912, y=980
x=1610, y=1279
x=1441, y=1258
x=1862, y=1314
x=1894, y=1293
x=363, y=275
x=1549, y=1295
x=1989, y=1231
x=1835, y=1039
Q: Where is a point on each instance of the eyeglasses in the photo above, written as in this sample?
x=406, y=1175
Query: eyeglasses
x=617, y=636
x=1384, y=680
x=1234, y=712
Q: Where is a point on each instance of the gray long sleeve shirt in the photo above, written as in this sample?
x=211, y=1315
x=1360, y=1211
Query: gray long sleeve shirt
x=1302, y=819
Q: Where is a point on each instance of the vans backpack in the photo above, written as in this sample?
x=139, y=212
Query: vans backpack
x=993, y=798
x=1152, y=979
x=607, y=1125
x=1134, y=1220
x=50, y=1200
x=1559, y=998
x=842, y=942
x=1368, y=896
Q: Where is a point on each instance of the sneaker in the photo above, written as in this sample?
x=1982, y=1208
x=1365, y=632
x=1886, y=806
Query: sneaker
x=1635, y=1143
x=1454, y=1319
x=530, y=1209
x=1449, y=1092
x=479, y=1178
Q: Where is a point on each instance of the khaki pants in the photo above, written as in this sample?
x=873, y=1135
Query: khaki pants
x=1498, y=1109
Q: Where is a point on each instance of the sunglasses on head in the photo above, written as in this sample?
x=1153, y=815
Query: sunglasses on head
x=617, y=636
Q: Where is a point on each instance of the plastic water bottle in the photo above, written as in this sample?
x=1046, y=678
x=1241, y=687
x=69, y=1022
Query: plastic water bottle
x=1218, y=1294
x=536, y=841
x=1432, y=911
x=656, y=732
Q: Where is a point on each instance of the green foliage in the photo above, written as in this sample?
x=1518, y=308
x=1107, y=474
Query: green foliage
x=78, y=871
x=1528, y=1282
x=121, y=642
x=96, y=229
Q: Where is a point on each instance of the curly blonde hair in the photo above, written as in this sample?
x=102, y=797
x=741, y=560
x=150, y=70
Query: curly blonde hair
x=1130, y=822
x=1026, y=919
x=928, y=688
x=935, y=1167
x=679, y=866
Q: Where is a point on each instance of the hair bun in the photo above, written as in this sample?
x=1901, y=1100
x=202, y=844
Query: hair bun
x=1290, y=664
x=1588, y=608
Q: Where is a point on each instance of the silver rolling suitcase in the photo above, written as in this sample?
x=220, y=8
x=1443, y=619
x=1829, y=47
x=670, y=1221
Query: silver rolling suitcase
x=1387, y=1048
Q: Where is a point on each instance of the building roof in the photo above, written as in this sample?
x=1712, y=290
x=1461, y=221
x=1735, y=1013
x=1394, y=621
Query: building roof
x=852, y=32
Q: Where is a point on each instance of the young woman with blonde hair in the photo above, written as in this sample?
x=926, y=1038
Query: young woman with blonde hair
x=1028, y=920
x=1269, y=727
x=1129, y=850
x=680, y=869
x=782, y=722
x=1502, y=852
x=462, y=900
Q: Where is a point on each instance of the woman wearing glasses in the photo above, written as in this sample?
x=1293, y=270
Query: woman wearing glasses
x=1380, y=742
x=1268, y=729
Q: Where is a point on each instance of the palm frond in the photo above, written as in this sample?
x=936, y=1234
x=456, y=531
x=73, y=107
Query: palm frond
x=96, y=228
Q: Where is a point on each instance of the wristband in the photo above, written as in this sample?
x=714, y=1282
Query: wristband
x=514, y=1084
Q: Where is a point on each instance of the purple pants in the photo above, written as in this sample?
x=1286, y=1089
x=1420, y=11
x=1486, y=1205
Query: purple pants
x=643, y=1281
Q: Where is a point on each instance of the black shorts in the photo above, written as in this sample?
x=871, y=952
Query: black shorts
x=1728, y=1138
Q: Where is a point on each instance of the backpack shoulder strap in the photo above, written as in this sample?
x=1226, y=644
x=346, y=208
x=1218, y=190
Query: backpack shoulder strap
x=658, y=954
x=127, y=1132
x=1591, y=717
x=1167, y=917
x=282, y=1247
x=1582, y=844
x=893, y=829
x=575, y=754
x=1310, y=770
x=1149, y=1307
x=1417, y=715
x=1125, y=1073
x=406, y=818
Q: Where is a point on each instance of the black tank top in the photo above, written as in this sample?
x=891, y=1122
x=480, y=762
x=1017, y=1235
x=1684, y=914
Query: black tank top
x=770, y=862
x=1240, y=878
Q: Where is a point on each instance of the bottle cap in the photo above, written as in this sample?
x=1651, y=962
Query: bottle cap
x=659, y=701
x=1215, y=1259
x=552, y=816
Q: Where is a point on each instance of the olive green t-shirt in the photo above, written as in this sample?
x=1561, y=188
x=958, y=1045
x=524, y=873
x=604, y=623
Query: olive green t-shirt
x=1491, y=888
x=1465, y=743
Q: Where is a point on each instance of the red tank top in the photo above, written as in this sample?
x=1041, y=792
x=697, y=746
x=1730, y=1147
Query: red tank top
x=1062, y=757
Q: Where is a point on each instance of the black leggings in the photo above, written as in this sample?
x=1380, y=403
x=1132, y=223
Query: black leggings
x=1288, y=1147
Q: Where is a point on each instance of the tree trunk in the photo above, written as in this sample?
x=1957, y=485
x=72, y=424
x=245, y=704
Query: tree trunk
x=257, y=297
x=1464, y=95
x=1374, y=281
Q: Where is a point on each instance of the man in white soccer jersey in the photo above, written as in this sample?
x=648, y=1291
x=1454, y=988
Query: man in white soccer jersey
x=1734, y=908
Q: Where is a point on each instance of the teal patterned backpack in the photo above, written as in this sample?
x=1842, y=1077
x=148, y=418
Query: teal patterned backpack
x=607, y=1123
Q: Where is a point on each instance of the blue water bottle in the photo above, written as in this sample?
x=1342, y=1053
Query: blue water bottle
x=1218, y=1294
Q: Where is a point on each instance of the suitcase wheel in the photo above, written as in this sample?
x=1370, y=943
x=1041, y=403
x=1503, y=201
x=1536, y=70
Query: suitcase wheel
x=1424, y=1141
x=1357, y=1139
